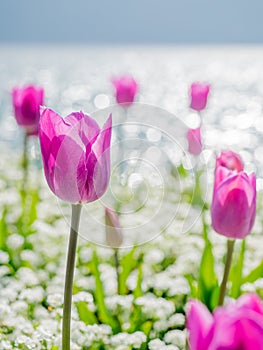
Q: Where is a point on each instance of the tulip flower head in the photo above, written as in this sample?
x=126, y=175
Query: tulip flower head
x=199, y=93
x=235, y=326
x=125, y=90
x=194, y=141
x=76, y=155
x=230, y=160
x=233, y=207
x=113, y=229
x=26, y=104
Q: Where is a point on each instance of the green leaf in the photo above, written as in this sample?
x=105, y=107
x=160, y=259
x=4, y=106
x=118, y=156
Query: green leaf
x=33, y=202
x=85, y=314
x=138, y=289
x=136, y=314
x=128, y=264
x=236, y=272
x=3, y=229
x=207, y=282
x=103, y=313
x=255, y=274
x=193, y=285
x=181, y=170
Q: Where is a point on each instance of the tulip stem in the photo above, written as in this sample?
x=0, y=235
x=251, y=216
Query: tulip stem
x=230, y=248
x=117, y=266
x=25, y=162
x=75, y=218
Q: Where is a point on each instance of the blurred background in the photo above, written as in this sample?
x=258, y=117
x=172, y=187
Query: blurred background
x=74, y=49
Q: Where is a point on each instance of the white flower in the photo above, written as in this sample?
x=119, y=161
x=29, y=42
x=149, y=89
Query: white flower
x=4, y=257
x=176, y=337
x=27, y=276
x=155, y=307
x=15, y=241
x=5, y=345
x=156, y=344
x=134, y=339
x=32, y=295
x=55, y=300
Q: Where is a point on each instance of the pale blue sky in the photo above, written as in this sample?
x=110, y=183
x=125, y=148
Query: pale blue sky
x=135, y=21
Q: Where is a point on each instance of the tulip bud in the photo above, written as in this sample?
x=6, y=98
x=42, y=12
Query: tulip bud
x=26, y=103
x=125, y=90
x=199, y=93
x=194, y=141
x=230, y=160
x=113, y=229
x=233, y=207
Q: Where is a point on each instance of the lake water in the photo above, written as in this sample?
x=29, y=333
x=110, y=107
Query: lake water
x=79, y=78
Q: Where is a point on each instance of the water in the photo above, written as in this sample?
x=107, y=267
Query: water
x=79, y=78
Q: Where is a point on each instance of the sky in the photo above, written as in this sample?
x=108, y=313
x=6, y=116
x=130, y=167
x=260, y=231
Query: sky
x=131, y=22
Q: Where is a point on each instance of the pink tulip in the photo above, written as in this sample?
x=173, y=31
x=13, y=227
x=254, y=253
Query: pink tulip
x=194, y=141
x=126, y=89
x=233, y=207
x=199, y=93
x=76, y=155
x=230, y=160
x=113, y=229
x=236, y=326
x=26, y=103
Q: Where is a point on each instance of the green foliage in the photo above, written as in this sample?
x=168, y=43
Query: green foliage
x=235, y=276
x=85, y=314
x=3, y=229
x=103, y=313
x=254, y=275
x=208, y=288
x=127, y=264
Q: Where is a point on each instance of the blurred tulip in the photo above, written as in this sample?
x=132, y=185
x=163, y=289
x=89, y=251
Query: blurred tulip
x=125, y=89
x=233, y=207
x=230, y=160
x=199, y=93
x=76, y=155
x=194, y=141
x=113, y=229
x=26, y=103
x=235, y=326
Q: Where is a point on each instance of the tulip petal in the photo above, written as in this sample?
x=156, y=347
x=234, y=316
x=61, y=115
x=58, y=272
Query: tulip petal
x=233, y=206
x=251, y=301
x=87, y=128
x=221, y=174
x=98, y=160
x=230, y=160
x=199, y=325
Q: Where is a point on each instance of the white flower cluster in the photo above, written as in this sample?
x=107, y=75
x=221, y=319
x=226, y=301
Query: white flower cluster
x=155, y=308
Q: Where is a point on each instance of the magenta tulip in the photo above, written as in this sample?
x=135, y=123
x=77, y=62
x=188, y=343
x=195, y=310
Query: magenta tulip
x=236, y=326
x=199, y=93
x=234, y=203
x=125, y=89
x=113, y=229
x=76, y=155
x=26, y=103
x=194, y=141
x=230, y=160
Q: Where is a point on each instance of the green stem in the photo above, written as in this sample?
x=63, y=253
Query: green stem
x=75, y=218
x=230, y=248
x=117, y=266
x=25, y=162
